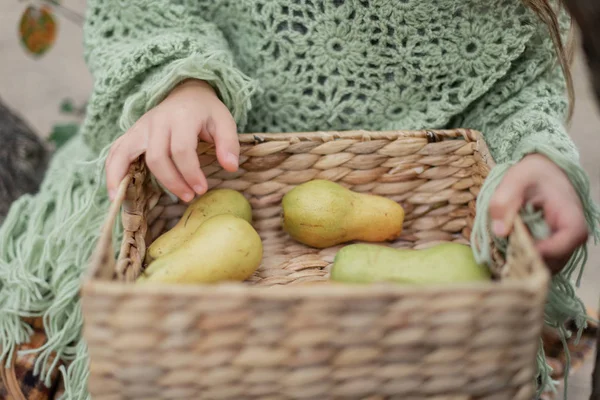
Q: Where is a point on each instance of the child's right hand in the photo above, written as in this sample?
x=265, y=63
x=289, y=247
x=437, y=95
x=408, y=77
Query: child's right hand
x=168, y=135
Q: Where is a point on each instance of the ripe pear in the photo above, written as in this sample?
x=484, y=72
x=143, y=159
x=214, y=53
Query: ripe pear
x=441, y=264
x=224, y=248
x=214, y=202
x=322, y=213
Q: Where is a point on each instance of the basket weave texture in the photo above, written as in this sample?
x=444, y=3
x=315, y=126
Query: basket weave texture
x=287, y=333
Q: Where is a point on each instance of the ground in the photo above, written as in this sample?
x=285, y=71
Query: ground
x=36, y=87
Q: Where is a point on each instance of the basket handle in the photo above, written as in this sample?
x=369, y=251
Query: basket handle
x=102, y=262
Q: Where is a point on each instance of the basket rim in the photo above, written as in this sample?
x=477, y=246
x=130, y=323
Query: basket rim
x=434, y=135
x=334, y=290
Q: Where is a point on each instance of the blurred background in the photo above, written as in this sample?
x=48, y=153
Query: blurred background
x=37, y=87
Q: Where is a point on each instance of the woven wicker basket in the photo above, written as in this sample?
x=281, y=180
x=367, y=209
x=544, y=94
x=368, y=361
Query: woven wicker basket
x=282, y=336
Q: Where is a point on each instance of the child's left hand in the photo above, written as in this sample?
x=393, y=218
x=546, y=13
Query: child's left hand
x=539, y=181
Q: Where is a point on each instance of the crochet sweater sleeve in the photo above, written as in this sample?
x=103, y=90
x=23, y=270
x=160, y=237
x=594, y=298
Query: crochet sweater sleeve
x=525, y=112
x=139, y=50
x=525, y=109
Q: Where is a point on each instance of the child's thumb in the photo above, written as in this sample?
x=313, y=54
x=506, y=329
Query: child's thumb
x=506, y=203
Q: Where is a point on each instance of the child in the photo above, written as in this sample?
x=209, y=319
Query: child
x=170, y=73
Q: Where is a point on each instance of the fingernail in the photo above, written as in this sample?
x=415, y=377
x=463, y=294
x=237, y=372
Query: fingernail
x=232, y=158
x=199, y=189
x=112, y=194
x=187, y=197
x=498, y=228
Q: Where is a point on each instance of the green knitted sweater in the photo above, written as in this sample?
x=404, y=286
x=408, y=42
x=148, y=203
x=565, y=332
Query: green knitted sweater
x=281, y=66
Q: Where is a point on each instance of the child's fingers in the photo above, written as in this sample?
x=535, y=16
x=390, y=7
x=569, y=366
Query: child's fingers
x=184, y=141
x=506, y=203
x=223, y=130
x=122, y=153
x=557, y=249
x=159, y=162
x=569, y=231
x=558, y=244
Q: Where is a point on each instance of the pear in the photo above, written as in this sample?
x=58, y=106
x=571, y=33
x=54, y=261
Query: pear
x=440, y=264
x=223, y=248
x=214, y=202
x=322, y=213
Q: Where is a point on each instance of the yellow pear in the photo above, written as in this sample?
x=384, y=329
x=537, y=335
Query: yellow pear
x=224, y=248
x=322, y=213
x=439, y=264
x=214, y=202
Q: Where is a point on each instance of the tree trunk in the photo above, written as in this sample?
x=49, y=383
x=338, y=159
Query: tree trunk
x=23, y=159
x=596, y=374
x=586, y=14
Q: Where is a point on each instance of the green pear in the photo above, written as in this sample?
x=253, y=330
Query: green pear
x=214, y=202
x=224, y=248
x=441, y=264
x=322, y=213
